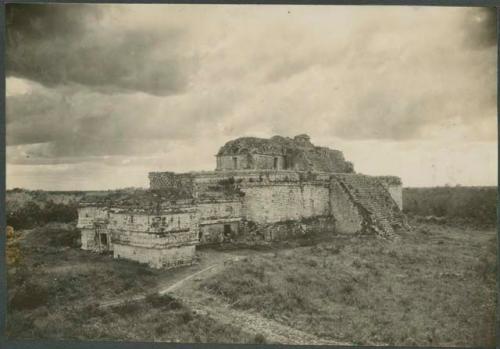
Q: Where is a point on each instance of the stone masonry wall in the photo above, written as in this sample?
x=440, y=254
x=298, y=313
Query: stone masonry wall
x=91, y=221
x=88, y=237
x=209, y=211
x=250, y=162
x=87, y=215
x=214, y=217
x=168, y=180
x=151, y=223
x=291, y=229
x=160, y=240
x=156, y=258
x=395, y=187
x=227, y=162
x=347, y=217
x=396, y=192
x=381, y=214
x=261, y=161
x=215, y=232
x=284, y=201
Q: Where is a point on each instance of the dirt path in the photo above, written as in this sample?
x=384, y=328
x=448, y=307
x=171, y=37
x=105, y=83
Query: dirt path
x=174, y=279
x=184, y=286
x=188, y=292
x=254, y=324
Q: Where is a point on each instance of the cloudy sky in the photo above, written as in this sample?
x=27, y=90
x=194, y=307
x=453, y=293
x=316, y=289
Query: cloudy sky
x=98, y=95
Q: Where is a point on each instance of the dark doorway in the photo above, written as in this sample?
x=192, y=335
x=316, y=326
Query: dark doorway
x=104, y=239
x=227, y=230
x=235, y=163
x=275, y=165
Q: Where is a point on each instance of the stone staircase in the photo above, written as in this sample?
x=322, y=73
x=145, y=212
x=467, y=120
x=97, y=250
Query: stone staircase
x=379, y=209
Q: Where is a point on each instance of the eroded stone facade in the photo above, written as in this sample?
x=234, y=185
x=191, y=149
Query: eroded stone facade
x=269, y=188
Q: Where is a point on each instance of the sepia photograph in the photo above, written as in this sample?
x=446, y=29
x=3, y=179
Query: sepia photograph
x=251, y=174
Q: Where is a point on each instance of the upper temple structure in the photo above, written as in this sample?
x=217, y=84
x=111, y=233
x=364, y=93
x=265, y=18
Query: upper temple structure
x=280, y=153
x=265, y=189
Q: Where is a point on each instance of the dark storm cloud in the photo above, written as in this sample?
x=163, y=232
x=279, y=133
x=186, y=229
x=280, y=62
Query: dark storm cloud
x=36, y=21
x=370, y=80
x=69, y=44
x=417, y=83
x=69, y=124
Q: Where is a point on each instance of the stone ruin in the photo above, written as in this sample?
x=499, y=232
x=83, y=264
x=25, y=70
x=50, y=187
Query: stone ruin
x=265, y=189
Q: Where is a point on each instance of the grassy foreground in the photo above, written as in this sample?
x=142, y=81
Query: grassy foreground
x=54, y=289
x=433, y=286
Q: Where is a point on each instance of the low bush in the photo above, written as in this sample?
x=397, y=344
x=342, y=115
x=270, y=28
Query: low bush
x=186, y=316
x=259, y=339
x=128, y=308
x=163, y=301
x=33, y=214
x=29, y=296
x=55, y=235
x=347, y=289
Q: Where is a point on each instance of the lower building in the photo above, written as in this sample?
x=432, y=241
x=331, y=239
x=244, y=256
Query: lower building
x=221, y=207
x=258, y=185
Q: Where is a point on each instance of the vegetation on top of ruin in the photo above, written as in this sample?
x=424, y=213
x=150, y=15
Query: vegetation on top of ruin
x=391, y=180
x=276, y=145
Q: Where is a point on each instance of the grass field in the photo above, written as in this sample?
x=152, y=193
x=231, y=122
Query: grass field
x=54, y=291
x=433, y=286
